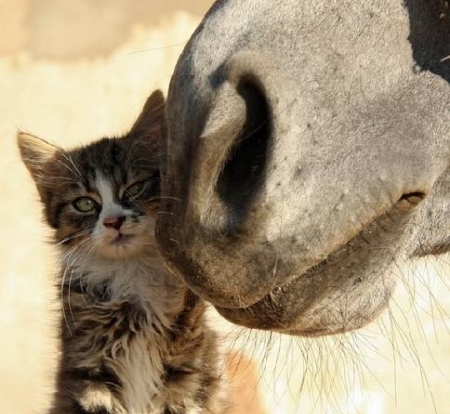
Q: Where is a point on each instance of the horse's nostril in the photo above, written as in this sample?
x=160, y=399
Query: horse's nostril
x=413, y=198
x=243, y=171
x=410, y=200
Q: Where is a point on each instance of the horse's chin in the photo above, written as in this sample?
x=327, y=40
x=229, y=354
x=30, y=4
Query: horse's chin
x=311, y=327
x=313, y=311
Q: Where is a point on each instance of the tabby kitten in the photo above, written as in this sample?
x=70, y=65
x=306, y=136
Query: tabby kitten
x=133, y=337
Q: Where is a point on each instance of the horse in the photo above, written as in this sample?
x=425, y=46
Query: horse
x=307, y=155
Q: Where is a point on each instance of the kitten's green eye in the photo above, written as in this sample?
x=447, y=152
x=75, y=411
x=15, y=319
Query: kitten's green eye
x=134, y=190
x=84, y=204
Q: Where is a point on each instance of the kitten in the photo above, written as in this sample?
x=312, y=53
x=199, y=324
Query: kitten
x=133, y=337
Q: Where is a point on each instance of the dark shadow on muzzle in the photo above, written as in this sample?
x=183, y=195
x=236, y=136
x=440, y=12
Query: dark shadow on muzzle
x=243, y=172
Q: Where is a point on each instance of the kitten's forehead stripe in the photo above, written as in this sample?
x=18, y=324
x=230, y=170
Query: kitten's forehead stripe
x=104, y=188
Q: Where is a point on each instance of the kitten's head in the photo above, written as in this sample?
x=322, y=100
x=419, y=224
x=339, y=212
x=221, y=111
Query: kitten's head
x=102, y=199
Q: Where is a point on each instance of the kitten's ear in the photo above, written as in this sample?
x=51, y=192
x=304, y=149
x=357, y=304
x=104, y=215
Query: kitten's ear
x=150, y=123
x=36, y=154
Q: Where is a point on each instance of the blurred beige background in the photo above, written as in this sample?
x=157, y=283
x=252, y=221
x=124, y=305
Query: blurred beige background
x=73, y=71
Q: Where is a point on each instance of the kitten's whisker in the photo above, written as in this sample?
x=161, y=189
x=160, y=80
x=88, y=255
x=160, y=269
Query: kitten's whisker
x=170, y=198
x=75, y=168
x=86, y=257
x=84, y=249
x=69, y=259
x=71, y=251
x=169, y=213
x=133, y=149
x=56, y=180
x=67, y=166
x=73, y=236
x=62, y=180
x=61, y=295
x=69, y=290
x=159, y=197
x=153, y=49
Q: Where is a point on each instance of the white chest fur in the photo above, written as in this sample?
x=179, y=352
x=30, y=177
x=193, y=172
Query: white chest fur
x=137, y=355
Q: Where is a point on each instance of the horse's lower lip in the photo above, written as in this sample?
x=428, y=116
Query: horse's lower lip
x=308, y=333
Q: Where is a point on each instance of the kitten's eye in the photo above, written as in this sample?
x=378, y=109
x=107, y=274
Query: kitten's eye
x=134, y=189
x=84, y=204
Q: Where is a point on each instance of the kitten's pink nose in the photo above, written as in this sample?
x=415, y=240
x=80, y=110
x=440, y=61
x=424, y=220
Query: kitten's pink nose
x=114, y=222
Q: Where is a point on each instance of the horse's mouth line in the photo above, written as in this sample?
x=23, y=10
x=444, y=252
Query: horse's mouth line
x=404, y=205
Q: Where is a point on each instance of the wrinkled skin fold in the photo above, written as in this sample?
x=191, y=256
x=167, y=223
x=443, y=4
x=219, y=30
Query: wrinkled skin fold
x=307, y=156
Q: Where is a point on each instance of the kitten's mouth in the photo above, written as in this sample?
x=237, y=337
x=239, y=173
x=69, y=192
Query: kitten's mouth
x=119, y=245
x=122, y=239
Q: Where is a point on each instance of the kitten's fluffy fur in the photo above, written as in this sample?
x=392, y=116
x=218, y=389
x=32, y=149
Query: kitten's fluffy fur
x=133, y=337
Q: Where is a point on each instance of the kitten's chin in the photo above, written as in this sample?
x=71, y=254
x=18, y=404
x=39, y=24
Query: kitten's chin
x=122, y=247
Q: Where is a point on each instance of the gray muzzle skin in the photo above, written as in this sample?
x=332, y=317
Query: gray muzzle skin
x=306, y=157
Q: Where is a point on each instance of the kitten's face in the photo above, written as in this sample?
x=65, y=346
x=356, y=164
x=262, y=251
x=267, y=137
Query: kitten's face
x=101, y=199
x=118, y=214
